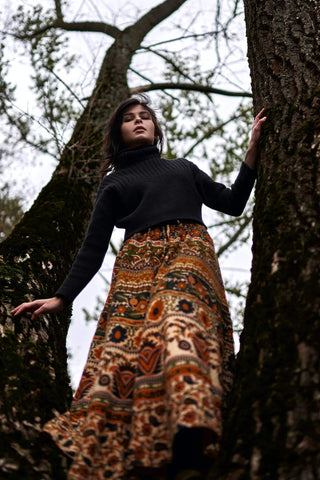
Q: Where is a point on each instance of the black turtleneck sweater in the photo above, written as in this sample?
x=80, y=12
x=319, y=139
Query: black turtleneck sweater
x=146, y=190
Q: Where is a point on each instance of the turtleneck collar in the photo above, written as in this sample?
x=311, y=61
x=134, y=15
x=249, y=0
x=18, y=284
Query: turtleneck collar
x=130, y=156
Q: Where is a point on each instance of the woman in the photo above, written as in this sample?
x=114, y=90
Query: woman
x=150, y=400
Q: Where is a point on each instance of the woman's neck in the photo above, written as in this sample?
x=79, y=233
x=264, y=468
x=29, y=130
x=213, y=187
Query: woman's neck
x=129, y=156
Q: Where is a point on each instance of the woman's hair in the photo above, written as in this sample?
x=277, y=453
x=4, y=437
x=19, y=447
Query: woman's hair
x=112, y=143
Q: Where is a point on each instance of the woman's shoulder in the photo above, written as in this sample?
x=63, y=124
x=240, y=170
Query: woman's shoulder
x=112, y=178
x=186, y=164
x=180, y=162
x=108, y=185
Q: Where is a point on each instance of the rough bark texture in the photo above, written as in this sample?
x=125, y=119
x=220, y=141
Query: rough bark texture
x=34, y=261
x=273, y=429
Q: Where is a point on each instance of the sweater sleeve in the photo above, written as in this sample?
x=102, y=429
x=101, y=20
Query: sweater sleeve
x=94, y=247
x=219, y=197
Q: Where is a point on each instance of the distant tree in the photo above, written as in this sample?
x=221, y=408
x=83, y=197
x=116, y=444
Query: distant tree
x=10, y=211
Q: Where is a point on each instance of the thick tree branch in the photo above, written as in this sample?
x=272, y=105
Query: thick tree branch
x=152, y=18
x=187, y=86
x=58, y=10
x=99, y=27
x=140, y=28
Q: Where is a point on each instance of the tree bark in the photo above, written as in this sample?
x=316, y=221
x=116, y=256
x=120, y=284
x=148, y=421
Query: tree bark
x=273, y=426
x=34, y=261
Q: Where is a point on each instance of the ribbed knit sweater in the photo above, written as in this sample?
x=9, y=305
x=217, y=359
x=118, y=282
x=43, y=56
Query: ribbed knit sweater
x=146, y=190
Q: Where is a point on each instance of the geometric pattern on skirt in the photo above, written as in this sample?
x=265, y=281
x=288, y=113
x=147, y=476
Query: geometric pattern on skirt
x=160, y=360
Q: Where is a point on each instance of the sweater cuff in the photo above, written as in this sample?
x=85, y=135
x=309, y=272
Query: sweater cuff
x=67, y=301
x=252, y=172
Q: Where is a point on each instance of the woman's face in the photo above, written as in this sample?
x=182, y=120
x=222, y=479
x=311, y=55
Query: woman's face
x=137, y=127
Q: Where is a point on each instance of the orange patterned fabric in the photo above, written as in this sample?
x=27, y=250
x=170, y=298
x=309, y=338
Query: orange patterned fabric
x=160, y=359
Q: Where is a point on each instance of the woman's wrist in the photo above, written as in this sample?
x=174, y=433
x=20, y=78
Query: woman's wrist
x=252, y=156
x=61, y=299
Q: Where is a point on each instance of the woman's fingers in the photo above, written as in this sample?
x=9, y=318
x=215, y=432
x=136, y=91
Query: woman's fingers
x=27, y=307
x=40, y=311
x=253, y=148
x=259, y=120
x=260, y=114
x=257, y=124
x=39, y=307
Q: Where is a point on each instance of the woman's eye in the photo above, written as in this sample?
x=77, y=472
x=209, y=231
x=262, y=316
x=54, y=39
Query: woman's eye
x=142, y=116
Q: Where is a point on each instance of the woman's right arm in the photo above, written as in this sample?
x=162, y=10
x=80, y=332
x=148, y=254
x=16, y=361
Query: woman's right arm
x=39, y=307
x=87, y=262
x=94, y=247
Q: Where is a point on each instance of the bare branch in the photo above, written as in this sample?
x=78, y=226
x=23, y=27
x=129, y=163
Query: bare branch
x=23, y=133
x=114, y=249
x=172, y=63
x=39, y=147
x=187, y=86
x=175, y=66
x=236, y=235
x=66, y=86
x=223, y=223
x=211, y=131
x=183, y=37
x=140, y=75
x=20, y=36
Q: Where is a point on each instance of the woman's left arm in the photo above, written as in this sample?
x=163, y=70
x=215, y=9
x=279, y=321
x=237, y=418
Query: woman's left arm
x=253, y=149
x=232, y=200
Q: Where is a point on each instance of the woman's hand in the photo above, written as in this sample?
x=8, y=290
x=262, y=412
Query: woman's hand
x=253, y=149
x=39, y=307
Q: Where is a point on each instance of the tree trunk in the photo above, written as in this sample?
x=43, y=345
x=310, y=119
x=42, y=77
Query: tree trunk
x=273, y=427
x=34, y=261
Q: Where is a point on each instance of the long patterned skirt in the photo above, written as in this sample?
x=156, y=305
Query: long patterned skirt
x=159, y=362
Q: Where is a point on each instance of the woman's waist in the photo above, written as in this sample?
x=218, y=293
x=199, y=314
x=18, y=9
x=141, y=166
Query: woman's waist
x=173, y=227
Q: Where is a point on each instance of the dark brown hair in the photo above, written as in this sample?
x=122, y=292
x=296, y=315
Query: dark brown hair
x=112, y=143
